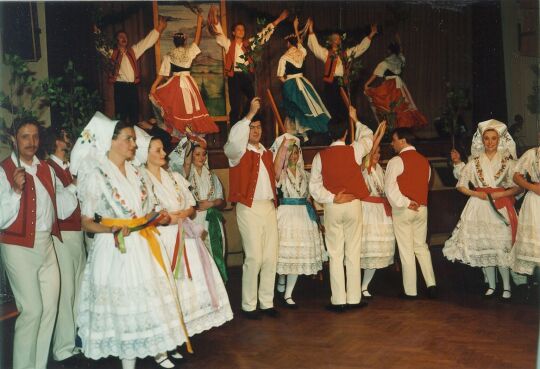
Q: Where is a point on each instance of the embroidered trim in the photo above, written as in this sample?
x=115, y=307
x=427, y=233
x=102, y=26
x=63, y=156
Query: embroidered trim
x=116, y=194
x=480, y=172
x=177, y=189
x=195, y=186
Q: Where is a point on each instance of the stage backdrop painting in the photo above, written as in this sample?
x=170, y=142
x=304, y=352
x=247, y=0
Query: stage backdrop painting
x=207, y=68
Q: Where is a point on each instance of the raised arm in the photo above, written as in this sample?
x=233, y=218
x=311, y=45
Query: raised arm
x=280, y=157
x=264, y=35
x=398, y=41
x=198, y=32
x=282, y=16
x=236, y=145
x=151, y=38
x=364, y=137
x=320, y=52
x=296, y=33
x=214, y=27
x=361, y=48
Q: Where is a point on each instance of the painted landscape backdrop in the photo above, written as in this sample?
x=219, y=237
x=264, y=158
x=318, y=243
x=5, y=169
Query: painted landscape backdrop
x=207, y=68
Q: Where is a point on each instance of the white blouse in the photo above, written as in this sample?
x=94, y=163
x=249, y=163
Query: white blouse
x=180, y=56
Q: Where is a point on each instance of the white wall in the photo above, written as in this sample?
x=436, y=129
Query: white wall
x=518, y=74
x=40, y=67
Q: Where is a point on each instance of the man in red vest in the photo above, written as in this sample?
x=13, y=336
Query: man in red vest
x=26, y=244
x=406, y=184
x=334, y=59
x=126, y=73
x=239, y=82
x=336, y=182
x=70, y=251
x=253, y=188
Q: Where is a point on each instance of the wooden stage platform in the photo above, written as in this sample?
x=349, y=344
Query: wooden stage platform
x=459, y=330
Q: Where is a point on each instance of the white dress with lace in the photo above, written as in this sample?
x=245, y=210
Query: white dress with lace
x=378, y=241
x=200, y=314
x=301, y=249
x=527, y=246
x=206, y=186
x=480, y=238
x=127, y=304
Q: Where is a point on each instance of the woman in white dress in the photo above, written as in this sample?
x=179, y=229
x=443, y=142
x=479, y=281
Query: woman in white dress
x=208, y=193
x=128, y=306
x=486, y=230
x=203, y=298
x=378, y=241
x=301, y=249
x=527, y=247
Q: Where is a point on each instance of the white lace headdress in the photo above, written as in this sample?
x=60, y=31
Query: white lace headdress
x=92, y=145
x=506, y=142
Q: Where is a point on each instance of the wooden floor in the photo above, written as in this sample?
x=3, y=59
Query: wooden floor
x=459, y=330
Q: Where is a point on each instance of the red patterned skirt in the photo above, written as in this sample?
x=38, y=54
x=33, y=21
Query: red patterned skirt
x=388, y=93
x=182, y=106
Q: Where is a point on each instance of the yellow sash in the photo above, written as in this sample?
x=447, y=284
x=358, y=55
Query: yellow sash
x=148, y=233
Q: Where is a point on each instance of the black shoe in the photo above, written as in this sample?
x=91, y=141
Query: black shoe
x=507, y=299
x=289, y=303
x=361, y=304
x=432, y=292
x=75, y=361
x=366, y=295
x=271, y=312
x=490, y=296
x=336, y=308
x=253, y=315
x=404, y=296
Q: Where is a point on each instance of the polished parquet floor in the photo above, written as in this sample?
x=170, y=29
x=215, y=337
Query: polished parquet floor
x=458, y=330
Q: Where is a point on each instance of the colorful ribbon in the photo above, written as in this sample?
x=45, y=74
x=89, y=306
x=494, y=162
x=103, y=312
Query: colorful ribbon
x=194, y=230
x=503, y=202
x=215, y=219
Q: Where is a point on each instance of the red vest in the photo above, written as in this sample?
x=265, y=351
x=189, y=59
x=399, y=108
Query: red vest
x=73, y=223
x=116, y=58
x=331, y=64
x=22, y=232
x=414, y=181
x=243, y=177
x=231, y=56
x=341, y=172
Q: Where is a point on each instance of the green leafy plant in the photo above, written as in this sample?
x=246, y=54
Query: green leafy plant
x=457, y=102
x=25, y=99
x=70, y=98
x=254, y=53
x=352, y=66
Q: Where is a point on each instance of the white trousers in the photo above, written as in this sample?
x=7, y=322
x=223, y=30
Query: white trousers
x=410, y=228
x=258, y=229
x=35, y=281
x=343, y=226
x=71, y=256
